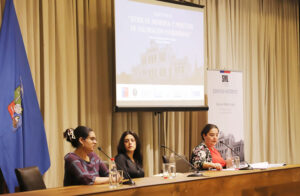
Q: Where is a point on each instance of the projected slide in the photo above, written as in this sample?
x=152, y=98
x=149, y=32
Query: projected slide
x=159, y=50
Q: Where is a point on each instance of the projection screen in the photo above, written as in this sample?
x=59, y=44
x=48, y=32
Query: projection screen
x=159, y=55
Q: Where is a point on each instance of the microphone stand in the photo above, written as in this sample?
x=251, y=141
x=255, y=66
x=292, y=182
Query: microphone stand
x=196, y=173
x=244, y=168
x=130, y=181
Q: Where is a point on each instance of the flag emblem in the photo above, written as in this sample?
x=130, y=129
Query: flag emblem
x=15, y=108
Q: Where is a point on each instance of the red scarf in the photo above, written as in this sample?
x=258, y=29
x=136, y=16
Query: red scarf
x=216, y=156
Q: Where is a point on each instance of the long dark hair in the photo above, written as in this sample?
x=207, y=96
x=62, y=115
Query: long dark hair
x=137, y=155
x=73, y=135
x=207, y=128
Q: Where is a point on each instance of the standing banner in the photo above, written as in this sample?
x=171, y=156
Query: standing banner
x=23, y=140
x=225, y=101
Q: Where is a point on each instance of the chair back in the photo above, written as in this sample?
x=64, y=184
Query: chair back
x=165, y=159
x=30, y=178
x=181, y=165
x=3, y=186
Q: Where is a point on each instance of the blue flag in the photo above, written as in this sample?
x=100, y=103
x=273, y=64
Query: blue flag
x=23, y=140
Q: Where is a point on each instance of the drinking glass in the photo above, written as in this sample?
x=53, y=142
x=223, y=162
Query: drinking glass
x=120, y=177
x=166, y=170
x=172, y=170
x=113, y=179
x=169, y=170
x=229, y=163
x=236, y=161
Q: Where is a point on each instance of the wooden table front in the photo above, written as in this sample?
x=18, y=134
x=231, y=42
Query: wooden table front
x=275, y=181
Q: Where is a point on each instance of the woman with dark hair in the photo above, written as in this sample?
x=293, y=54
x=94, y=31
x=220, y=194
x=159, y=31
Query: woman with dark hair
x=129, y=156
x=83, y=166
x=205, y=155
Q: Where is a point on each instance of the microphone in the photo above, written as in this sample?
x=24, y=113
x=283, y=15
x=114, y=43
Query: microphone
x=130, y=181
x=196, y=174
x=244, y=168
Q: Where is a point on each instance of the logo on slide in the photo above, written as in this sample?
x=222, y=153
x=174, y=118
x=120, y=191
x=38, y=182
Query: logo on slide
x=125, y=92
x=225, y=78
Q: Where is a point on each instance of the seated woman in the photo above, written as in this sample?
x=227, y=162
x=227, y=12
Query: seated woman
x=205, y=155
x=83, y=166
x=129, y=156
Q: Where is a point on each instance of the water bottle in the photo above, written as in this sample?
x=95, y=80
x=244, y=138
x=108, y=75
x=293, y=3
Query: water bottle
x=229, y=160
x=172, y=166
x=113, y=174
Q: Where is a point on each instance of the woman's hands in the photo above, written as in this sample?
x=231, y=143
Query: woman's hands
x=217, y=166
x=101, y=180
x=210, y=165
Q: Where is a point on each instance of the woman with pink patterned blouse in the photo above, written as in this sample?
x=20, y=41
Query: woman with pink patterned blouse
x=205, y=155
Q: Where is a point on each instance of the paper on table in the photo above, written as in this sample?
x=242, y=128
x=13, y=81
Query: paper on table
x=229, y=169
x=177, y=174
x=261, y=165
x=276, y=165
x=265, y=165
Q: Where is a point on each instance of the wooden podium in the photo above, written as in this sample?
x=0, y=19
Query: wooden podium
x=275, y=181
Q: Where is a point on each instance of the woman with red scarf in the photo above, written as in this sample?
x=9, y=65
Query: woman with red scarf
x=205, y=155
